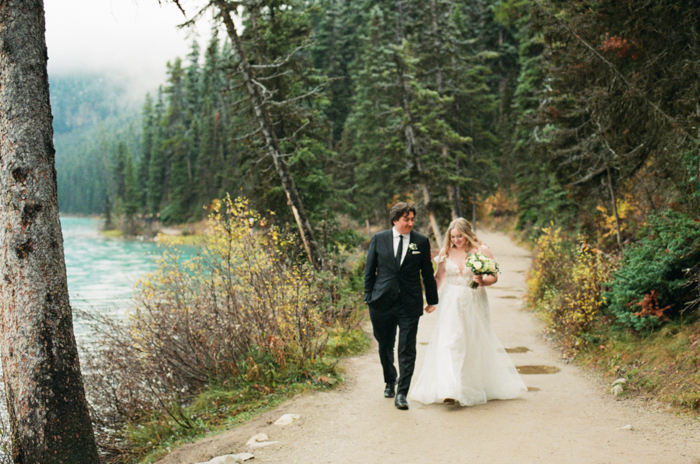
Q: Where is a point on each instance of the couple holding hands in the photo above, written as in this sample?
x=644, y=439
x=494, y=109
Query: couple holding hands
x=465, y=362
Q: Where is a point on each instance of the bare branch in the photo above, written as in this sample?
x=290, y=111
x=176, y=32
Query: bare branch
x=273, y=76
x=247, y=136
x=602, y=170
x=277, y=63
x=300, y=97
x=293, y=136
x=263, y=89
x=179, y=6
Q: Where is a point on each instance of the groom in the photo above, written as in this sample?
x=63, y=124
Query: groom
x=397, y=260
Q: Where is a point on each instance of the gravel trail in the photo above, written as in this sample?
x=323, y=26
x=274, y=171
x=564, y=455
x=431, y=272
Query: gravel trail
x=567, y=417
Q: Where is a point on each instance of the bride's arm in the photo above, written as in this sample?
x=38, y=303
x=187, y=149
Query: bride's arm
x=440, y=271
x=486, y=280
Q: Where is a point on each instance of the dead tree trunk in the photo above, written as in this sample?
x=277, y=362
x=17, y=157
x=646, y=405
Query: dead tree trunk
x=45, y=396
x=413, y=155
x=271, y=141
x=424, y=188
x=613, y=200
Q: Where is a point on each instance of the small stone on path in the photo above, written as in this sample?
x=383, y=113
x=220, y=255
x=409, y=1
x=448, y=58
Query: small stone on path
x=259, y=440
x=229, y=459
x=287, y=419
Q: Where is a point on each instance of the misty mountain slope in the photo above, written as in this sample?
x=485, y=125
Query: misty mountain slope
x=92, y=113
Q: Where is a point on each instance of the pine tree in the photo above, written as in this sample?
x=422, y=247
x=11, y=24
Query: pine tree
x=157, y=164
x=193, y=115
x=372, y=135
x=148, y=130
x=210, y=164
x=282, y=90
x=130, y=200
x=336, y=46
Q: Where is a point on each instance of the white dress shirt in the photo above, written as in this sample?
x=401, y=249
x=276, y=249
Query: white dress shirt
x=406, y=239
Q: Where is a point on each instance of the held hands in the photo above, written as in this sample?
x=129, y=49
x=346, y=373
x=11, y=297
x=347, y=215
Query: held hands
x=429, y=308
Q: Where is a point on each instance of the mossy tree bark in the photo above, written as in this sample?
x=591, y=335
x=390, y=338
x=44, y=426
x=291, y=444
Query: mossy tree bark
x=46, y=401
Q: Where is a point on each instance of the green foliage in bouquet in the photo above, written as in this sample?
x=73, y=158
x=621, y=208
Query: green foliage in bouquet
x=651, y=284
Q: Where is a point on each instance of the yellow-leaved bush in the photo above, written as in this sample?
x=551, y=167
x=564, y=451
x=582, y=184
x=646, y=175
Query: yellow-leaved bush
x=566, y=284
x=239, y=312
x=209, y=317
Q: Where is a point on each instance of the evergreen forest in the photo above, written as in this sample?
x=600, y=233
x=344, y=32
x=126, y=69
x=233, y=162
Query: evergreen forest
x=92, y=114
x=577, y=121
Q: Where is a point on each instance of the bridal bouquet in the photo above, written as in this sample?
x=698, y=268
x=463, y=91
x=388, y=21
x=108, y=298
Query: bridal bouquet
x=481, y=265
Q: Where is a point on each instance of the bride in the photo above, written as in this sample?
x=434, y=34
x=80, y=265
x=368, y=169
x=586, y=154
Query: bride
x=464, y=362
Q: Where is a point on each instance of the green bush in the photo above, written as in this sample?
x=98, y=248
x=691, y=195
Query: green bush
x=651, y=284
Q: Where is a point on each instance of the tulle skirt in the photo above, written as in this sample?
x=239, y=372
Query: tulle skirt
x=465, y=361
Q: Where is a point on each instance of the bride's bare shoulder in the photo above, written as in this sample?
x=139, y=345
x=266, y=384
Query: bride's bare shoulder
x=484, y=249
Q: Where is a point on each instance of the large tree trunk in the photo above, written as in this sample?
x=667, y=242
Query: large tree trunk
x=45, y=396
x=271, y=141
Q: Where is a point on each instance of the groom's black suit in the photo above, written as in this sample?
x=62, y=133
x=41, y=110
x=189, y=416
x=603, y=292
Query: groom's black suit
x=395, y=299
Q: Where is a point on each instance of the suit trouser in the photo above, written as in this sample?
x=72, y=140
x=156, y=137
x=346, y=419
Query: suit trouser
x=384, y=324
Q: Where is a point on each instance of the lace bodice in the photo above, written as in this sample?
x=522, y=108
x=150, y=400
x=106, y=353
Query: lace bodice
x=453, y=275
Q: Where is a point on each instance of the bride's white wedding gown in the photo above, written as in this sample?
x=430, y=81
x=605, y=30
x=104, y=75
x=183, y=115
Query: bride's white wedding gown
x=465, y=361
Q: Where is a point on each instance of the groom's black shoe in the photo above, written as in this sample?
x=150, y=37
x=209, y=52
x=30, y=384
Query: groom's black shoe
x=400, y=401
x=389, y=390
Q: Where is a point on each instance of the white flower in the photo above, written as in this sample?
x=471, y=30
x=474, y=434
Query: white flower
x=481, y=264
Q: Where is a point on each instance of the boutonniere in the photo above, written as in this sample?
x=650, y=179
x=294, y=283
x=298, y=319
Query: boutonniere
x=413, y=247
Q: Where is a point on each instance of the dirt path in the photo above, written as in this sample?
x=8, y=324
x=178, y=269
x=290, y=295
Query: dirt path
x=568, y=417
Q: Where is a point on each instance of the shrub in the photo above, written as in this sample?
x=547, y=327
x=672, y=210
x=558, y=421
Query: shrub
x=551, y=251
x=566, y=284
x=652, y=282
x=238, y=313
x=580, y=298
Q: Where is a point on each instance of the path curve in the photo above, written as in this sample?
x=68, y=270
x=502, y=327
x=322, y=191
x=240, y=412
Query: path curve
x=569, y=417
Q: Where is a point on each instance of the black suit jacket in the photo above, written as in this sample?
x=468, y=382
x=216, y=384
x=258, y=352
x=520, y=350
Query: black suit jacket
x=385, y=282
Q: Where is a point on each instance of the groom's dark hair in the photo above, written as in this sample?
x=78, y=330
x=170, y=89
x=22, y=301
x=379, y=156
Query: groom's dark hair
x=399, y=209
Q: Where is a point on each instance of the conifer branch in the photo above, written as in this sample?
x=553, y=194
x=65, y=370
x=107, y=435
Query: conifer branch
x=618, y=74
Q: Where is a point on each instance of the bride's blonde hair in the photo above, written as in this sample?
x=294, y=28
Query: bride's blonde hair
x=463, y=226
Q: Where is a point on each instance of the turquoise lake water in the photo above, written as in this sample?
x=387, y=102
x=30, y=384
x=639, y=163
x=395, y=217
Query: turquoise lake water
x=102, y=271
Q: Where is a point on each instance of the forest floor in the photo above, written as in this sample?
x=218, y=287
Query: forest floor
x=569, y=415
